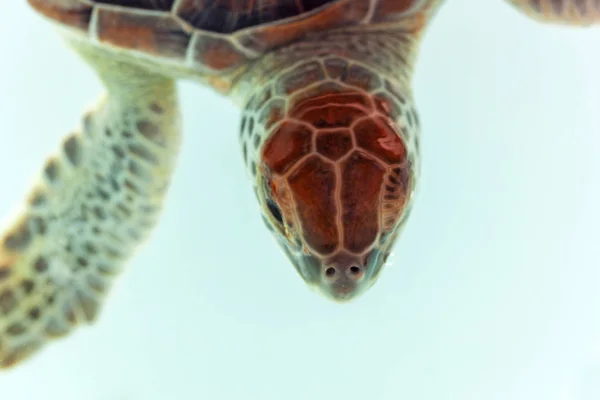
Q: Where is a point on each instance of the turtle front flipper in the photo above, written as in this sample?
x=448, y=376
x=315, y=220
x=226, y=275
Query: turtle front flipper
x=572, y=12
x=96, y=201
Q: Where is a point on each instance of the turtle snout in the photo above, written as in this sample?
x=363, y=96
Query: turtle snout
x=343, y=282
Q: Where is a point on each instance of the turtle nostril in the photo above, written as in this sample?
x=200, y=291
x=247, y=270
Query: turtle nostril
x=330, y=273
x=355, y=272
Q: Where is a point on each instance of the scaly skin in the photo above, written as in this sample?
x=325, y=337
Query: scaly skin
x=331, y=141
x=330, y=136
x=96, y=201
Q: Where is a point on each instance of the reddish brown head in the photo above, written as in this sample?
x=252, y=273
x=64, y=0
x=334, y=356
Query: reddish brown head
x=334, y=177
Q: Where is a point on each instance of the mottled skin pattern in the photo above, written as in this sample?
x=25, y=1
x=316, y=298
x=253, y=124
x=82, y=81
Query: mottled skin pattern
x=330, y=137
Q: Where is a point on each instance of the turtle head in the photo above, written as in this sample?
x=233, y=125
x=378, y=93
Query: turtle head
x=334, y=170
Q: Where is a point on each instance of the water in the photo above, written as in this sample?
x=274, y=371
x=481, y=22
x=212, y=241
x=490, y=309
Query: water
x=493, y=290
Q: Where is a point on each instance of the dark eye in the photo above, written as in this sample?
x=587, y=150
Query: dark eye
x=275, y=211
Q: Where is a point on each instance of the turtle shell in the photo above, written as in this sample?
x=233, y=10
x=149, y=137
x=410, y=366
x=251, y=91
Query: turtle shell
x=213, y=36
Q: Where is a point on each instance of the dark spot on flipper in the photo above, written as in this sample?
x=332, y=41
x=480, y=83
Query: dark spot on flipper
x=409, y=118
x=90, y=248
x=114, y=184
x=16, y=329
x=113, y=254
x=415, y=115
x=119, y=152
x=124, y=210
x=37, y=198
x=143, y=153
x=27, y=285
x=40, y=265
x=99, y=212
x=34, y=313
x=4, y=272
x=8, y=301
x=51, y=170
x=243, y=125
x=20, y=238
x=250, y=127
x=106, y=269
x=87, y=122
x=151, y=132
x=82, y=262
x=73, y=150
x=97, y=284
x=156, y=108
x=69, y=313
x=103, y=194
x=132, y=187
x=100, y=177
x=39, y=224
x=256, y=141
x=137, y=170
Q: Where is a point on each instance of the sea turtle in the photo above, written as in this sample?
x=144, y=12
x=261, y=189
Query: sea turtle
x=329, y=136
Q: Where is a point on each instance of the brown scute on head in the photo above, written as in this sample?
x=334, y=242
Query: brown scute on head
x=380, y=139
x=287, y=145
x=352, y=186
x=362, y=178
x=313, y=185
x=73, y=13
x=334, y=144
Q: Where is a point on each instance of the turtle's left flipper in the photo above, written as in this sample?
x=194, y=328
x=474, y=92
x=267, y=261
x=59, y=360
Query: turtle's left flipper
x=96, y=201
x=568, y=12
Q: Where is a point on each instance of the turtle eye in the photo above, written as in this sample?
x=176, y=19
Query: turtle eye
x=275, y=210
x=271, y=205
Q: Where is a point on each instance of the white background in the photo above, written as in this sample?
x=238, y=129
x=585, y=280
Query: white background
x=493, y=292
